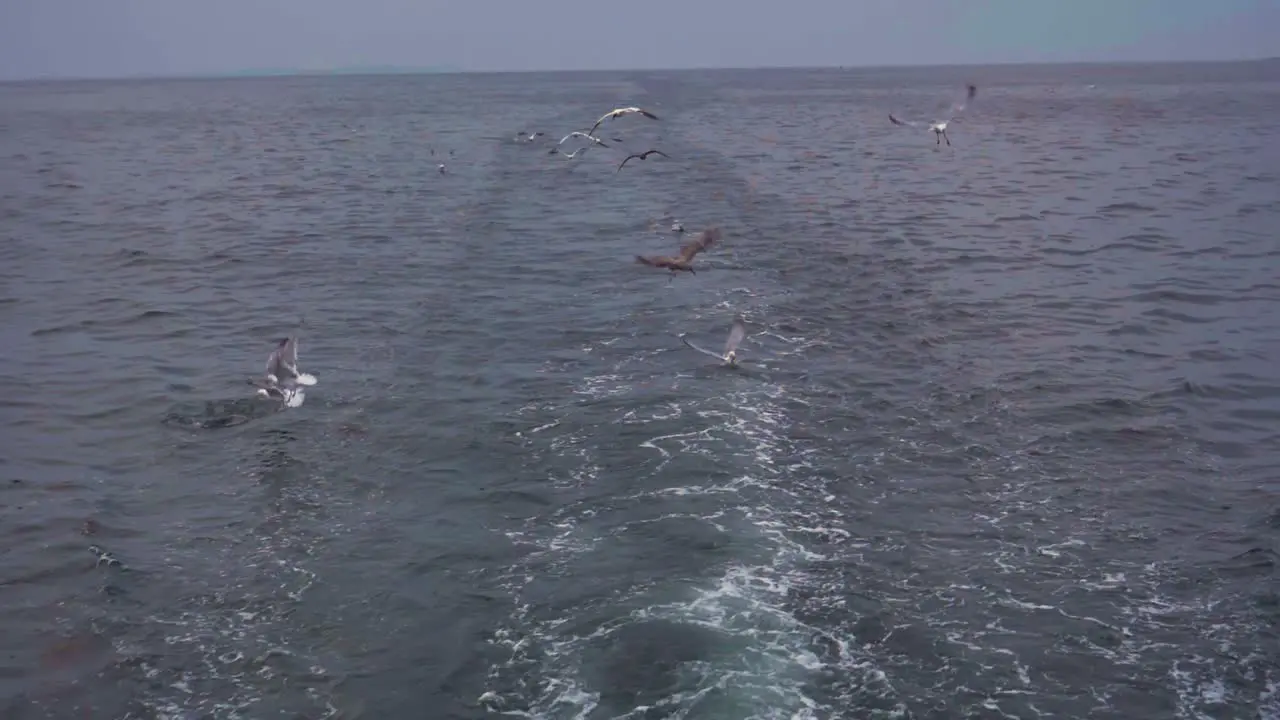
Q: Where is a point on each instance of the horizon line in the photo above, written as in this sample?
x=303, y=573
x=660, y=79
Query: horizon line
x=386, y=70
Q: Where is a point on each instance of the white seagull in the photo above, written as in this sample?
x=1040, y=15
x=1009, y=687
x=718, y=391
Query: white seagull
x=730, y=355
x=939, y=127
x=579, y=133
x=283, y=379
x=619, y=113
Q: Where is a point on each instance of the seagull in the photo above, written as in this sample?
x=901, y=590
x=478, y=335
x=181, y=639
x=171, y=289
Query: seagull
x=283, y=379
x=573, y=154
x=730, y=355
x=683, y=261
x=619, y=113
x=641, y=156
x=939, y=127
x=292, y=397
x=579, y=133
x=440, y=168
x=531, y=136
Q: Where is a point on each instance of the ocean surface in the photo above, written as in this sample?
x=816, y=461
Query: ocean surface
x=1004, y=443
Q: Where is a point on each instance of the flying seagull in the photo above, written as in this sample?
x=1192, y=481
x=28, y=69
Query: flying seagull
x=619, y=113
x=641, y=156
x=683, y=261
x=531, y=136
x=575, y=153
x=939, y=127
x=579, y=133
x=730, y=355
x=283, y=380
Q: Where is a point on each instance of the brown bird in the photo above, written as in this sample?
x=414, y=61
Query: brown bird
x=683, y=261
x=641, y=156
x=619, y=113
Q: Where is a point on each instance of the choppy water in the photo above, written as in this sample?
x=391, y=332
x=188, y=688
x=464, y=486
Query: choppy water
x=1005, y=446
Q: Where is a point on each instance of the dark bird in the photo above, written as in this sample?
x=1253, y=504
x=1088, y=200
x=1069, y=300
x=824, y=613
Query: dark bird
x=641, y=156
x=619, y=113
x=683, y=261
x=939, y=127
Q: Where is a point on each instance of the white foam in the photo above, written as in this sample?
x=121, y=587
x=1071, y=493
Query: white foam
x=746, y=604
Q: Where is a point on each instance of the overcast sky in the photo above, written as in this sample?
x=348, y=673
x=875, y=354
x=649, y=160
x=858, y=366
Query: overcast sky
x=104, y=38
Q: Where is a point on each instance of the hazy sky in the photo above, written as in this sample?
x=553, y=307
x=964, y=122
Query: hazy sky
x=97, y=38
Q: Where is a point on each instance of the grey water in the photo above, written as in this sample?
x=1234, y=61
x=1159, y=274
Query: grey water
x=1003, y=444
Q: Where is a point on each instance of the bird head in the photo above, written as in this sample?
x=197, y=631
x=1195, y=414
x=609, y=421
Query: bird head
x=731, y=358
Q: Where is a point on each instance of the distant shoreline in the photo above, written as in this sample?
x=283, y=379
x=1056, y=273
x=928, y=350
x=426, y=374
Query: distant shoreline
x=380, y=70
x=372, y=70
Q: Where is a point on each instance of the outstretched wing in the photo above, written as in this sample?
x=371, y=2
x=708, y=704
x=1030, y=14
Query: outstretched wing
x=585, y=136
x=604, y=117
x=736, y=335
x=907, y=123
x=283, y=361
x=624, y=161
x=956, y=108
x=709, y=237
x=647, y=153
x=654, y=260
x=646, y=113
x=704, y=351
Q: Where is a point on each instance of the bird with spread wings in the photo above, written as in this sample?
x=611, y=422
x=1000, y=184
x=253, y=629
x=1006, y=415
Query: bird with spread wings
x=939, y=127
x=684, y=261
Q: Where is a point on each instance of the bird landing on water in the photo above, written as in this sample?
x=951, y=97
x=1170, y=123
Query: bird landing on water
x=939, y=127
x=729, y=358
x=283, y=380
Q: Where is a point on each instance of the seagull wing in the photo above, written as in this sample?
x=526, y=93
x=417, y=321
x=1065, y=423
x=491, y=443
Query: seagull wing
x=593, y=138
x=604, y=117
x=585, y=136
x=646, y=113
x=907, y=123
x=625, y=159
x=289, y=355
x=282, y=363
x=709, y=237
x=647, y=153
x=704, y=351
x=971, y=91
x=736, y=335
x=275, y=361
